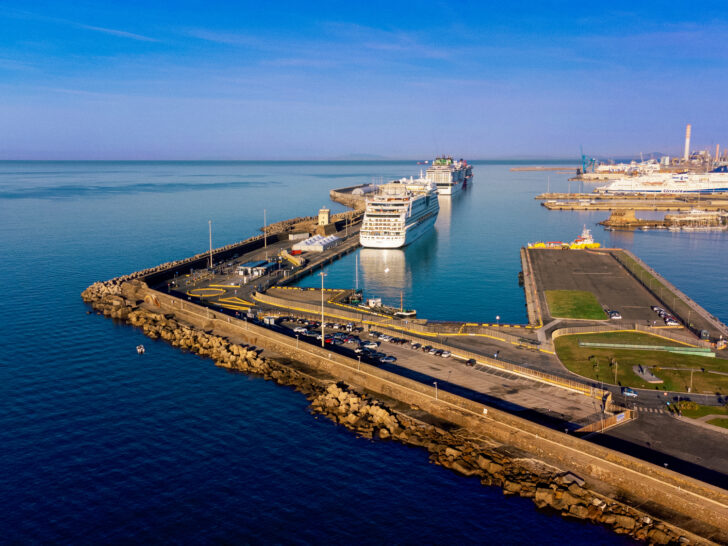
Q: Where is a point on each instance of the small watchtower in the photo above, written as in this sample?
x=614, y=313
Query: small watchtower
x=324, y=218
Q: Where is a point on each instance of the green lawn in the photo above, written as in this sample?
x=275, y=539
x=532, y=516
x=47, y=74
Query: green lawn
x=596, y=363
x=577, y=304
x=701, y=411
x=719, y=422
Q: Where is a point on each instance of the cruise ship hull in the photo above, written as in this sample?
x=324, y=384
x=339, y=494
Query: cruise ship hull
x=449, y=189
x=413, y=232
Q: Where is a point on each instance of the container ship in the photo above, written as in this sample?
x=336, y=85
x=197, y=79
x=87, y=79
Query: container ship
x=450, y=176
x=400, y=212
x=715, y=181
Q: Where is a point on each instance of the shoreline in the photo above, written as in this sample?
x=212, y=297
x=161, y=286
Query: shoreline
x=358, y=409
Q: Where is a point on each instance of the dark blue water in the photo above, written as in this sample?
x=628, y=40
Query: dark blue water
x=98, y=444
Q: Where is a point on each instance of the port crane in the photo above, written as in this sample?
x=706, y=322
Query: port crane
x=587, y=162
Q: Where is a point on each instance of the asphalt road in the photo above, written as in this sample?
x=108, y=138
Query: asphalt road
x=659, y=438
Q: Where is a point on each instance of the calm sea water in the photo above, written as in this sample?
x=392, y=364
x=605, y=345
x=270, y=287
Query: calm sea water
x=98, y=444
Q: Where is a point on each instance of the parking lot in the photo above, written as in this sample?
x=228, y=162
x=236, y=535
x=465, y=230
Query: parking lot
x=414, y=359
x=596, y=272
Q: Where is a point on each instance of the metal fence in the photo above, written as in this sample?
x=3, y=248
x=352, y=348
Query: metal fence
x=555, y=380
x=661, y=332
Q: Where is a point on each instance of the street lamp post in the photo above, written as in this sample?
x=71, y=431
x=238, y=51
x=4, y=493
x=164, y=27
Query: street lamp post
x=497, y=320
x=296, y=341
x=323, y=334
x=435, y=383
x=358, y=366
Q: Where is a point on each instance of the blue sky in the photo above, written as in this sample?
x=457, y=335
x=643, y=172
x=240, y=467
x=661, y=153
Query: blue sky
x=289, y=80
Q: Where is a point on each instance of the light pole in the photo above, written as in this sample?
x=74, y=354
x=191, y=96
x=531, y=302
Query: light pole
x=497, y=320
x=435, y=383
x=209, y=223
x=296, y=341
x=323, y=335
x=358, y=366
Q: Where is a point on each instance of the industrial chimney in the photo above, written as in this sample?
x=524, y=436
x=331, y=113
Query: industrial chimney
x=687, y=142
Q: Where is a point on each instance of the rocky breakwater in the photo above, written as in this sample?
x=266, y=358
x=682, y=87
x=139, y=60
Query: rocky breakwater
x=513, y=470
x=494, y=464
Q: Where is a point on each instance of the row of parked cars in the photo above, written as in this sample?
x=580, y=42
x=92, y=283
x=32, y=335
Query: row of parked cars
x=413, y=344
x=665, y=316
x=366, y=348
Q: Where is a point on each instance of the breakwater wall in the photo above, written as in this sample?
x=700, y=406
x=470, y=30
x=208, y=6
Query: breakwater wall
x=419, y=327
x=680, y=304
x=645, y=492
x=533, y=305
x=349, y=199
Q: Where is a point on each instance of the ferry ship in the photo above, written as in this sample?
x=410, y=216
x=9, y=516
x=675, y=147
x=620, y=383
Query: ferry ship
x=713, y=182
x=400, y=212
x=450, y=176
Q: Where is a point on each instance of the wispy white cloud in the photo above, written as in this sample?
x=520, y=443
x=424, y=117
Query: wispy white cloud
x=23, y=14
x=115, y=32
x=227, y=38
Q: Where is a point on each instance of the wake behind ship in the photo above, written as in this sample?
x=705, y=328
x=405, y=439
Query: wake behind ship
x=400, y=212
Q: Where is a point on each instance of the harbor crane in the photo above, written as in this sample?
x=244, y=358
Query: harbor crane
x=587, y=162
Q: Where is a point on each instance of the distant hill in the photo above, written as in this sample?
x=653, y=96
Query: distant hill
x=360, y=157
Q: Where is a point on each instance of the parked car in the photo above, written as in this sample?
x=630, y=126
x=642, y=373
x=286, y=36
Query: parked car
x=416, y=346
x=387, y=359
x=300, y=330
x=370, y=345
x=614, y=315
x=445, y=354
x=470, y=362
x=671, y=322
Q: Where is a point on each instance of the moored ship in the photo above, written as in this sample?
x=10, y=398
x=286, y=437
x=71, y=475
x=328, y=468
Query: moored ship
x=583, y=241
x=400, y=212
x=712, y=182
x=450, y=176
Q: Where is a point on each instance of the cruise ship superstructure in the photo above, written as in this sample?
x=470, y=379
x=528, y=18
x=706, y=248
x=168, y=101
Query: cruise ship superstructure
x=712, y=182
x=449, y=175
x=399, y=212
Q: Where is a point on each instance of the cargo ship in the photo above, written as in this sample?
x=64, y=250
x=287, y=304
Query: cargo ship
x=398, y=213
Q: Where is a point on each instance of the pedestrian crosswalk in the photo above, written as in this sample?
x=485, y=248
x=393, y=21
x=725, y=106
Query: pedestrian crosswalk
x=652, y=410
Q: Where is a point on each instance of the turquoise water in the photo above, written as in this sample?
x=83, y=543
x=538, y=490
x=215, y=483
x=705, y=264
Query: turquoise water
x=100, y=445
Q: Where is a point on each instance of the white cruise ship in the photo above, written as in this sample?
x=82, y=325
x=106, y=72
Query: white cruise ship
x=712, y=182
x=450, y=176
x=399, y=213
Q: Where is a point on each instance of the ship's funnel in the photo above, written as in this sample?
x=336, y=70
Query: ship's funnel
x=687, y=142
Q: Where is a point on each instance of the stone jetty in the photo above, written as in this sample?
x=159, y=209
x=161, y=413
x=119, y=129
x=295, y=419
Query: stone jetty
x=493, y=463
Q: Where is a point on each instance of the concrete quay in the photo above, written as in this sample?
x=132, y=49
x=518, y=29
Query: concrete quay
x=494, y=386
x=688, y=508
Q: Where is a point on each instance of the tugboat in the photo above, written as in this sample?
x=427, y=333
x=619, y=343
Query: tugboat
x=140, y=349
x=585, y=240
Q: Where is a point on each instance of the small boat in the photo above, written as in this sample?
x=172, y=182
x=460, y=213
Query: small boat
x=140, y=349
